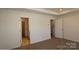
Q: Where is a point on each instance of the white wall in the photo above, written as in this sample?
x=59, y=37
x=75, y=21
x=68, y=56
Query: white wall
x=70, y=26
x=10, y=27
x=58, y=27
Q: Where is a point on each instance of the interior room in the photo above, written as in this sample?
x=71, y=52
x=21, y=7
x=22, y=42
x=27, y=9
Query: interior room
x=39, y=28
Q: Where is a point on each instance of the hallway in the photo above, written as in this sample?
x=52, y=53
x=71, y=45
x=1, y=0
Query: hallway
x=25, y=41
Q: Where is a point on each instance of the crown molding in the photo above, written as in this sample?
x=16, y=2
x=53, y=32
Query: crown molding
x=68, y=11
x=52, y=12
x=43, y=11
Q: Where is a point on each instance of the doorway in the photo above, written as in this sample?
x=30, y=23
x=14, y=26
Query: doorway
x=52, y=28
x=25, y=31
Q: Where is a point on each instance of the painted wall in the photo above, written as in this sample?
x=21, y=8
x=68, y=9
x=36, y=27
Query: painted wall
x=58, y=27
x=70, y=26
x=10, y=27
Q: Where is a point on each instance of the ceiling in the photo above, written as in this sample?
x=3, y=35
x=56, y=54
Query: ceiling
x=57, y=9
x=54, y=11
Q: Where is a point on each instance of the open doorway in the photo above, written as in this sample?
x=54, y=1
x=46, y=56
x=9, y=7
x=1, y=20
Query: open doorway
x=25, y=31
x=52, y=28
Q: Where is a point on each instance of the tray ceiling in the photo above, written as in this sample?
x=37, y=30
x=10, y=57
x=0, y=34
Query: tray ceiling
x=55, y=11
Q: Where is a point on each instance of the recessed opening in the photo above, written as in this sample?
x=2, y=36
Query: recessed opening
x=25, y=31
x=52, y=28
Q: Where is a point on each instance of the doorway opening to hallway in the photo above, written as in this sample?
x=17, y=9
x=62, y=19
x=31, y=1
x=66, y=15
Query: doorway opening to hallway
x=52, y=28
x=25, y=31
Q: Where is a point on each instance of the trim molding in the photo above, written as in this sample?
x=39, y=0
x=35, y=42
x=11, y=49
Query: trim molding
x=52, y=12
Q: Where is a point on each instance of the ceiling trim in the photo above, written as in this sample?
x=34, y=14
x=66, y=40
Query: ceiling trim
x=68, y=11
x=43, y=11
x=52, y=12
